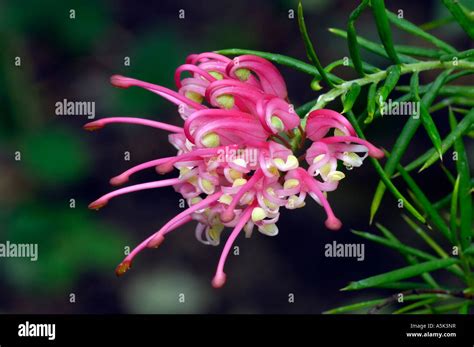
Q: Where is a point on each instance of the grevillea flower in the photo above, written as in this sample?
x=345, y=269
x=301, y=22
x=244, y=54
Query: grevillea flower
x=237, y=152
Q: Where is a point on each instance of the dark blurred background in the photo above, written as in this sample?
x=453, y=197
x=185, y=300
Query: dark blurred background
x=63, y=58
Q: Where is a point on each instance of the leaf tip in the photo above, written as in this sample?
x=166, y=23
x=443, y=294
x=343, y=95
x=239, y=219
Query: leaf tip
x=346, y=288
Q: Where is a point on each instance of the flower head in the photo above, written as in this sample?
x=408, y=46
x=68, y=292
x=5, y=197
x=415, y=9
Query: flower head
x=237, y=152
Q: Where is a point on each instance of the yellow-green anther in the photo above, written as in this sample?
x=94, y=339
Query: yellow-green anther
x=211, y=140
x=242, y=74
x=291, y=183
x=336, y=176
x=318, y=158
x=225, y=199
x=338, y=132
x=226, y=101
x=258, y=214
x=194, y=96
x=216, y=75
x=215, y=231
x=239, y=182
x=277, y=123
x=268, y=229
x=207, y=185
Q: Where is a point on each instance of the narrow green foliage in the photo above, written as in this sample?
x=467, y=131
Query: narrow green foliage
x=401, y=274
x=393, y=75
x=401, y=145
x=384, y=177
x=350, y=97
x=354, y=49
x=375, y=47
x=433, y=214
x=417, y=31
x=430, y=156
x=464, y=192
x=409, y=258
x=417, y=304
x=453, y=212
x=371, y=103
x=406, y=250
x=354, y=307
x=431, y=129
x=451, y=216
x=444, y=91
x=461, y=55
x=383, y=28
x=310, y=52
x=461, y=15
x=282, y=60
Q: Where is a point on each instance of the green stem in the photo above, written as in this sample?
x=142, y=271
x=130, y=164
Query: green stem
x=334, y=93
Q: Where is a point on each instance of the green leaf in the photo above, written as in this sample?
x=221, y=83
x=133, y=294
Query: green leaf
x=409, y=285
x=430, y=241
x=417, y=31
x=454, y=207
x=282, y=60
x=350, y=97
x=431, y=129
x=383, y=28
x=415, y=305
x=455, y=269
x=305, y=108
x=354, y=307
x=433, y=214
x=415, y=85
x=407, y=250
x=409, y=258
x=393, y=75
x=430, y=156
x=465, y=308
x=469, y=250
x=465, y=91
x=443, y=202
x=310, y=52
x=461, y=16
x=368, y=68
x=404, y=139
x=461, y=55
x=384, y=177
x=440, y=309
x=400, y=274
x=426, y=119
x=419, y=51
x=465, y=198
x=448, y=174
x=371, y=303
x=371, y=103
x=354, y=50
x=373, y=47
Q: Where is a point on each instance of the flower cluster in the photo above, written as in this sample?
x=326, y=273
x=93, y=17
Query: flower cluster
x=237, y=151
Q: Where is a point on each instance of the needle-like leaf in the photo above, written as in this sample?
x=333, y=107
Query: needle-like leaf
x=310, y=52
x=401, y=274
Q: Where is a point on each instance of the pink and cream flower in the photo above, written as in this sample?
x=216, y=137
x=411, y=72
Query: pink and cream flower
x=239, y=106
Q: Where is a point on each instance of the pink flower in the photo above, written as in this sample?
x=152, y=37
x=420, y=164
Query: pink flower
x=236, y=152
